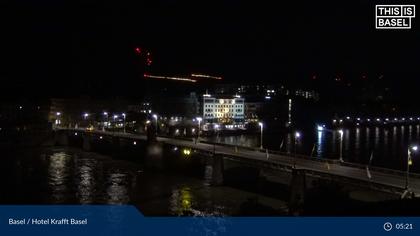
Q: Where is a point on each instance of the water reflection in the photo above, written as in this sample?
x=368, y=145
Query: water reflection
x=181, y=201
x=86, y=180
x=319, y=147
x=117, y=192
x=58, y=176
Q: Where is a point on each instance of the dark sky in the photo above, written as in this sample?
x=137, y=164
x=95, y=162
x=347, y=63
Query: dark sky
x=54, y=47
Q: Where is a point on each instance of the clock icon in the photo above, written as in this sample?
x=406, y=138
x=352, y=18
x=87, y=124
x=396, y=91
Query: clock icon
x=387, y=226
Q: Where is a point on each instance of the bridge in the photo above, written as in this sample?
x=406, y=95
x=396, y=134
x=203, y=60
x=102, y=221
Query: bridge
x=352, y=173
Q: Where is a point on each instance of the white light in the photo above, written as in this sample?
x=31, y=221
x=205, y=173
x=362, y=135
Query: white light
x=123, y=114
x=377, y=119
x=105, y=113
x=75, y=134
x=414, y=148
x=199, y=119
x=297, y=135
x=341, y=132
x=100, y=137
x=348, y=117
x=115, y=116
x=267, y=97
x=58, y=113
x=334, y=121
x=341, y=121
x=260, y=124
x=86, y=115
x=358, y=118
x=155, y=116
x=134, y=143
x=320, y=128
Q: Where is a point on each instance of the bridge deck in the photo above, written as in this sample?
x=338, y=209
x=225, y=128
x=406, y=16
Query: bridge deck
x=391, y=178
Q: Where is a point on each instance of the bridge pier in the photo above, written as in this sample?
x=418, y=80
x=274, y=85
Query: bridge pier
x=61, y=138
x=217, y=172
x=297, y=191
x=86, y=145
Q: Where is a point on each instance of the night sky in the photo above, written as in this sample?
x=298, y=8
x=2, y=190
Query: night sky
x=55, y=48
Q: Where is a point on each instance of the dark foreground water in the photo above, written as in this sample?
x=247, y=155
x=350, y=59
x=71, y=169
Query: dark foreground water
x=71, y=176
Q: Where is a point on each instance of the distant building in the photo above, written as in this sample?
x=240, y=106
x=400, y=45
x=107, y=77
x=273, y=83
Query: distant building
x=144, y=107
x=253, y=110
x=228, y=111
x=307, y=94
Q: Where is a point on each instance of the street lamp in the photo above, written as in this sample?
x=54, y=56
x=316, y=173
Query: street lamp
x=199, y=119
x=85, y=116
x=156, y=124
x=123, y=115
x=107, y=120
x=341, y=144
x=261, y=134
x=409, y=163
x=57, y=118
x=297, y=136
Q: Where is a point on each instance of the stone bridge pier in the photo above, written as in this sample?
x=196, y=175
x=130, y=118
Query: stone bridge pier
x=218, y=168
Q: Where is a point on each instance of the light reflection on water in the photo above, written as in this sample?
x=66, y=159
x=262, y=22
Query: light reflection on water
x=58, y=175
x=117, y=192
x=71, y=176
x=388, y=144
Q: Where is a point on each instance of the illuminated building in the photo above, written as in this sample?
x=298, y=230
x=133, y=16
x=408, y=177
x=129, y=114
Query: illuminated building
x=228, y=112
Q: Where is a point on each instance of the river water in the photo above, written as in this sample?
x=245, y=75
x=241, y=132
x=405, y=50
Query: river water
x=386, y=145
x=70, y=176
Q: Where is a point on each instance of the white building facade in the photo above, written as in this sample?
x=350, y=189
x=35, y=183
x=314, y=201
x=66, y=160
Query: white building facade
x=225, y=113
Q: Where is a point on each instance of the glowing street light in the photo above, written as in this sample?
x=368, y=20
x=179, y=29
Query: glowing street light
x=409, y=163
x=107, y=120
x=297, y=136
x=57, y=118
x=156, y=124
x=199, y=119
x=123, y=115
x=261, y=134
x=85, y=115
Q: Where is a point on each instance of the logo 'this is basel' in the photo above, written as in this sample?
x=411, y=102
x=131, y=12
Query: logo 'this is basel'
x=394, y=16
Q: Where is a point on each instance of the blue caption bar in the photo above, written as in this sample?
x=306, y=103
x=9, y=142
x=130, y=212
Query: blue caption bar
x=127, y=220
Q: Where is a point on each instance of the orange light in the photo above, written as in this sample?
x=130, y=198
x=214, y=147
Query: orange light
x=205, y=76
x=169, y=78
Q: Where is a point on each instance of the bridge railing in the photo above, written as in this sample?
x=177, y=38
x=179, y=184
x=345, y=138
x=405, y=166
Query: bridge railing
x=381, y=169
x=273, y=152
